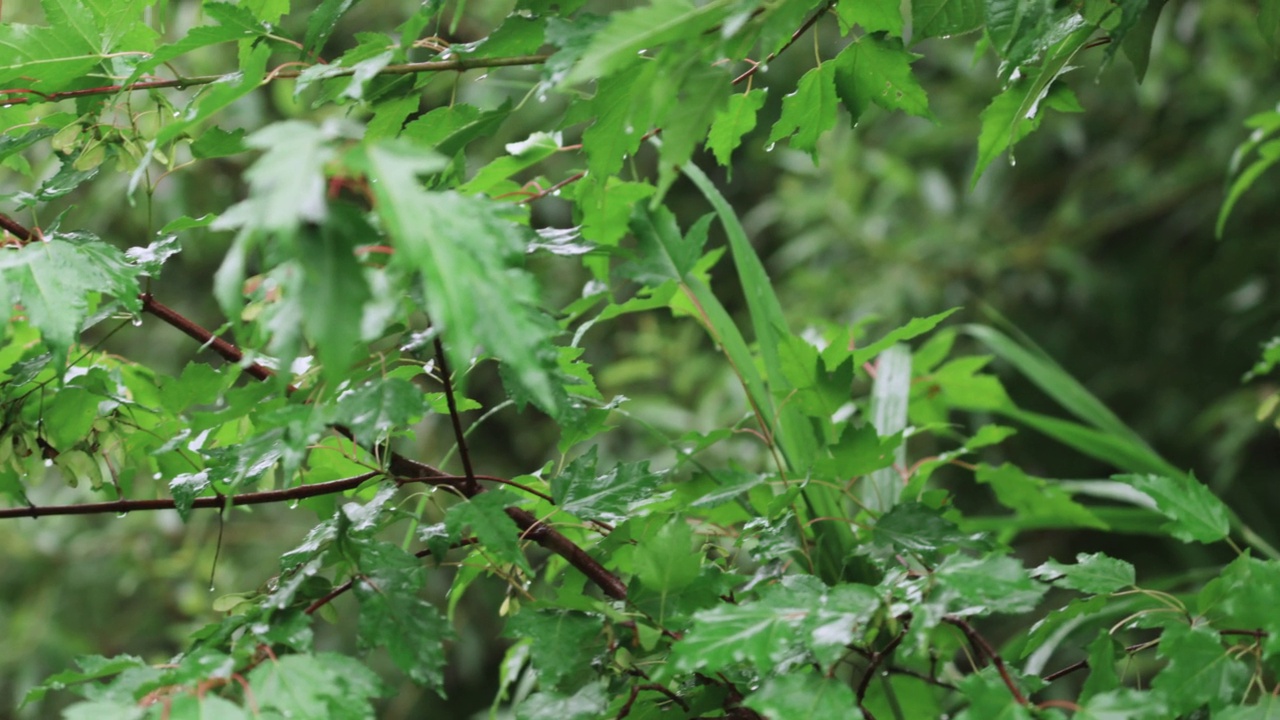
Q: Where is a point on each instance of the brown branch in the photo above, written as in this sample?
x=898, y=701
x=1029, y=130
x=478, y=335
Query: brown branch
x=16, y=229
x=229, y=352
x=344, y=587
x=983, y=647
x=31, y=96
x=218, y=501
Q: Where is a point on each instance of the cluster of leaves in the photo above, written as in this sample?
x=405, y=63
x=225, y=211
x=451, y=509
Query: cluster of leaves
x=820, y=574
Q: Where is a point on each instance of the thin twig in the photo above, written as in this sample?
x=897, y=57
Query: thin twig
x=983, y=647
x=794, y=37
x=455, y=418
x=32, y=96
x=217, y=501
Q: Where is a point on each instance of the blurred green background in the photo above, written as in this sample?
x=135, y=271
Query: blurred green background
x=1098, y=244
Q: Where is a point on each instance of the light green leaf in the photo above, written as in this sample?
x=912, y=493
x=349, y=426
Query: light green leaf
x=1036, y=500
x=1125, y=704
x=579, y=490
x=871, y=16
x=994, y=584
x=535, y=149
x=666, y=560
x=732, y=122
x=1195, y=513
x=586, y=704
x=54, y=281
x=806, y=695
x=1092, y=573
x=809, y=111
x=914, y=328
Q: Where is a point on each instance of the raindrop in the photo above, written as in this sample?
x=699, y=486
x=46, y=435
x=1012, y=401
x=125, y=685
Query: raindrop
x=212, y=588
x=542, y=98
x=156, y=476
x=122, y=514
x=1012, y=161
x=629, y=130
x=770, y=148
x=48, y=462
x=137, y=322
x=293, y=505
x=482, y=77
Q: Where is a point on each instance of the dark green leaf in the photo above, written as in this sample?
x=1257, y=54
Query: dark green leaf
x=581, y=491
x=322, y=23
x=1035, y=499
x=378, y=407
x=486, y=515
x=631, y=32
x=875, y=71
x=563, y=644
x=732, y=122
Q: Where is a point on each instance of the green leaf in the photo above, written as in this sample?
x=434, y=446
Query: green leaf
x=871, y=15
x=1104, y=652
x=666, y=560
x=809, y=111
x=1093, y=573
x=609, y=496
x=313, y=686
x=873, y=70
x=334, y=291
x=805, y=694
x=994, y=584
x=1125, y=704
x=1268, y=156
x=379, y=406
x=1137, y=42
x=393, y=616
x=942, y=18
x=914, y=328
x=586, y=704
x=55, y=280
x=486, y=515
x=564, y=646
x=799, y=612
x=916, y=528
x=733, y=122
x=451, y=128
x=1015, y=112
x=1269, y=23
x=618, y=125
x=989, y=698
x=1194, y=512
x=1036, y=500
x=468, y=255
x=1199, y=671
x=321, y=23
x=631, y=32
x=535, y=149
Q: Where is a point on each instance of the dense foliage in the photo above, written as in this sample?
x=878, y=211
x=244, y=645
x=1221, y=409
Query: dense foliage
x=396, y=261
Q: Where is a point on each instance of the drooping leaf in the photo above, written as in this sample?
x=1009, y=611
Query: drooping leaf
x=878, y=71
x=809, y=111
x=732, y=122
x=1036, y=499
x=1200, y=670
